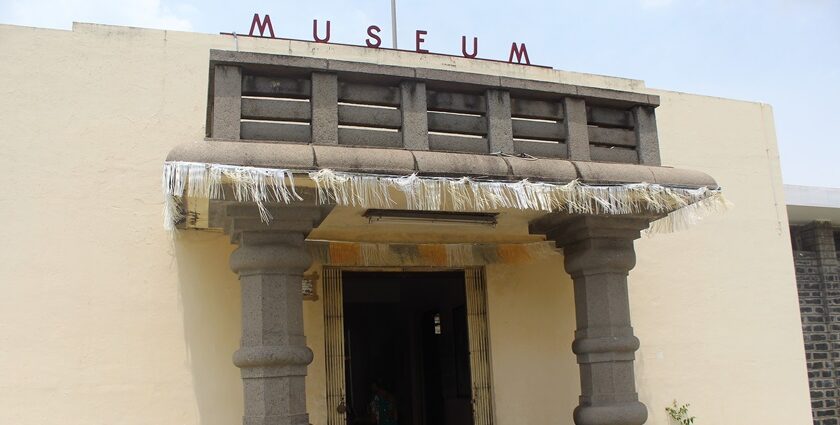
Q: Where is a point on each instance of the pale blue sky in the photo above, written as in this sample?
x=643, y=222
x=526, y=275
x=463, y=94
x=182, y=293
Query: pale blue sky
x=782, y=52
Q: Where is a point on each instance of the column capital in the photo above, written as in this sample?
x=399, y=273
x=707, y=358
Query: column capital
x=273, y=247
x=565, y=229
x=593, y=244
x=270, y=252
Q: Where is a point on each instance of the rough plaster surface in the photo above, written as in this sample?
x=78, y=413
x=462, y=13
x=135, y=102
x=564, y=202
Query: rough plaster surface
x=105, y=319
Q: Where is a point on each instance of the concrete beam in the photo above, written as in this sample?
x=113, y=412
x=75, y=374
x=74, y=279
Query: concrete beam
x=391, y=161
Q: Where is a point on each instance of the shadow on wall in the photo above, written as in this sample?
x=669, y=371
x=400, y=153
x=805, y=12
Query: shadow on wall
x=210, y=298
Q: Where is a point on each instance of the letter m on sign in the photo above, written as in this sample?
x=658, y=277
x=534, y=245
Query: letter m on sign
x=520, y=53
x=256, y=24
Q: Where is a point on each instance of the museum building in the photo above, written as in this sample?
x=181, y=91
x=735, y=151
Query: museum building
x=382, y=236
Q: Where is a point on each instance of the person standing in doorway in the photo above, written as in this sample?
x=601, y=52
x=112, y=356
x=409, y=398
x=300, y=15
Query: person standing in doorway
x=383, y=406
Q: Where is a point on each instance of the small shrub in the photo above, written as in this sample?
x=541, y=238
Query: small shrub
x=680, y=414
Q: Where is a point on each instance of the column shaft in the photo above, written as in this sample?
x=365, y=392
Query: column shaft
x=273, y=356
x=598, y=255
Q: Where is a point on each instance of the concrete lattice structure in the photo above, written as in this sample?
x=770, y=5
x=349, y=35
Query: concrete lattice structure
x=120, y=322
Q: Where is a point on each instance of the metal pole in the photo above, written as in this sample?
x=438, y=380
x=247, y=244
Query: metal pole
x=394, y=22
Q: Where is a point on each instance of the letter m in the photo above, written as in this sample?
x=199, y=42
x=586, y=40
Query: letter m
x=256, y=24
x=519, y=52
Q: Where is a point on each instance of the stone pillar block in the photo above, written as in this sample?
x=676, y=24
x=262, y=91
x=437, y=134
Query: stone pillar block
x=577, y=140
x=415, y=125
x=818, y=236
x=646, y=135
x=273, y=355
x=227, y=102
x=324, y=103
x=499, y=124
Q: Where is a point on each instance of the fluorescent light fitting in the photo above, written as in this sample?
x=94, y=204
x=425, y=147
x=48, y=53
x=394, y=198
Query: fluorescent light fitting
x=489, y=219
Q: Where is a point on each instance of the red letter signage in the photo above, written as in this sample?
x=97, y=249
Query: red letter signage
x=315, y=32
x=261, y=25
x=519, y=52
x=419, y=40
x=373, y=35
x=464, y=47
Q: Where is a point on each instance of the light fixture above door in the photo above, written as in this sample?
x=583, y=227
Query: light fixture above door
x=483, y=218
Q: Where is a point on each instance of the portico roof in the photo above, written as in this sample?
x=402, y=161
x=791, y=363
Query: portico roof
x=366, y=134
x=429, y=163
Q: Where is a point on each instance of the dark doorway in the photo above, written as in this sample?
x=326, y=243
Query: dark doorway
x=406, y=348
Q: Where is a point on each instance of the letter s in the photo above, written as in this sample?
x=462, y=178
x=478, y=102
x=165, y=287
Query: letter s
x=373, y=35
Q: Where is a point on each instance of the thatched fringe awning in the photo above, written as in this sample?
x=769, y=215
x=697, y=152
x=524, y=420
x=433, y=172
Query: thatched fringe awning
x=677, y=206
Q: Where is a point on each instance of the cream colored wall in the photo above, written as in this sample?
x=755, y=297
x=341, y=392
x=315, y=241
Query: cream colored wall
x=104, y=319
x=716, y=307
x=531, y=312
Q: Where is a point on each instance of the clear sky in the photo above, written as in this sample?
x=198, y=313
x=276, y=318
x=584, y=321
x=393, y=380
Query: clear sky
x=782, y=52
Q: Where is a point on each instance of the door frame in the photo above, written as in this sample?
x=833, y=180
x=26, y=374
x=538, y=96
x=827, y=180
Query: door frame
x=475, y=284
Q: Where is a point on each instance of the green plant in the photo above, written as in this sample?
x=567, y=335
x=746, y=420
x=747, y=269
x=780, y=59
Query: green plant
x=680, y=414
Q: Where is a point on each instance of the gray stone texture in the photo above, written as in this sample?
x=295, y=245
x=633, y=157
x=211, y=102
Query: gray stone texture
x=369, y=138
x=446, y=163
x=598, y=254
x=397, y=161
x=499, y=126
x=369, y=117
x=272, y=78
x=415, y=126
x=454, y=143
x=227, y=102
x=275, y=132
x=273, y=355
x=370, y=94
x=646, y=135
x=372, y=74
x=465, y=124
x=340, y=158
x=577, y=131
x=324, y=102
x=818, y=282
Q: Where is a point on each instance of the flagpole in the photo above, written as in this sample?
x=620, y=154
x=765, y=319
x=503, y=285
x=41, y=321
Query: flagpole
x=394, y=22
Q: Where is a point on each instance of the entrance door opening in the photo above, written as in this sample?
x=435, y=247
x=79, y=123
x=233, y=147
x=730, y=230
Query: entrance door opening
x=406, y=345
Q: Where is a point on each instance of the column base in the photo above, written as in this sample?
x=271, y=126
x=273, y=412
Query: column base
x=302, y=419
x=629, y=413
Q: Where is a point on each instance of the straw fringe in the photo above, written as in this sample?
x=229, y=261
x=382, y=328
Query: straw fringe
x=465, y=194
x=249, y=184
x=683, y=206
x=685, y=217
